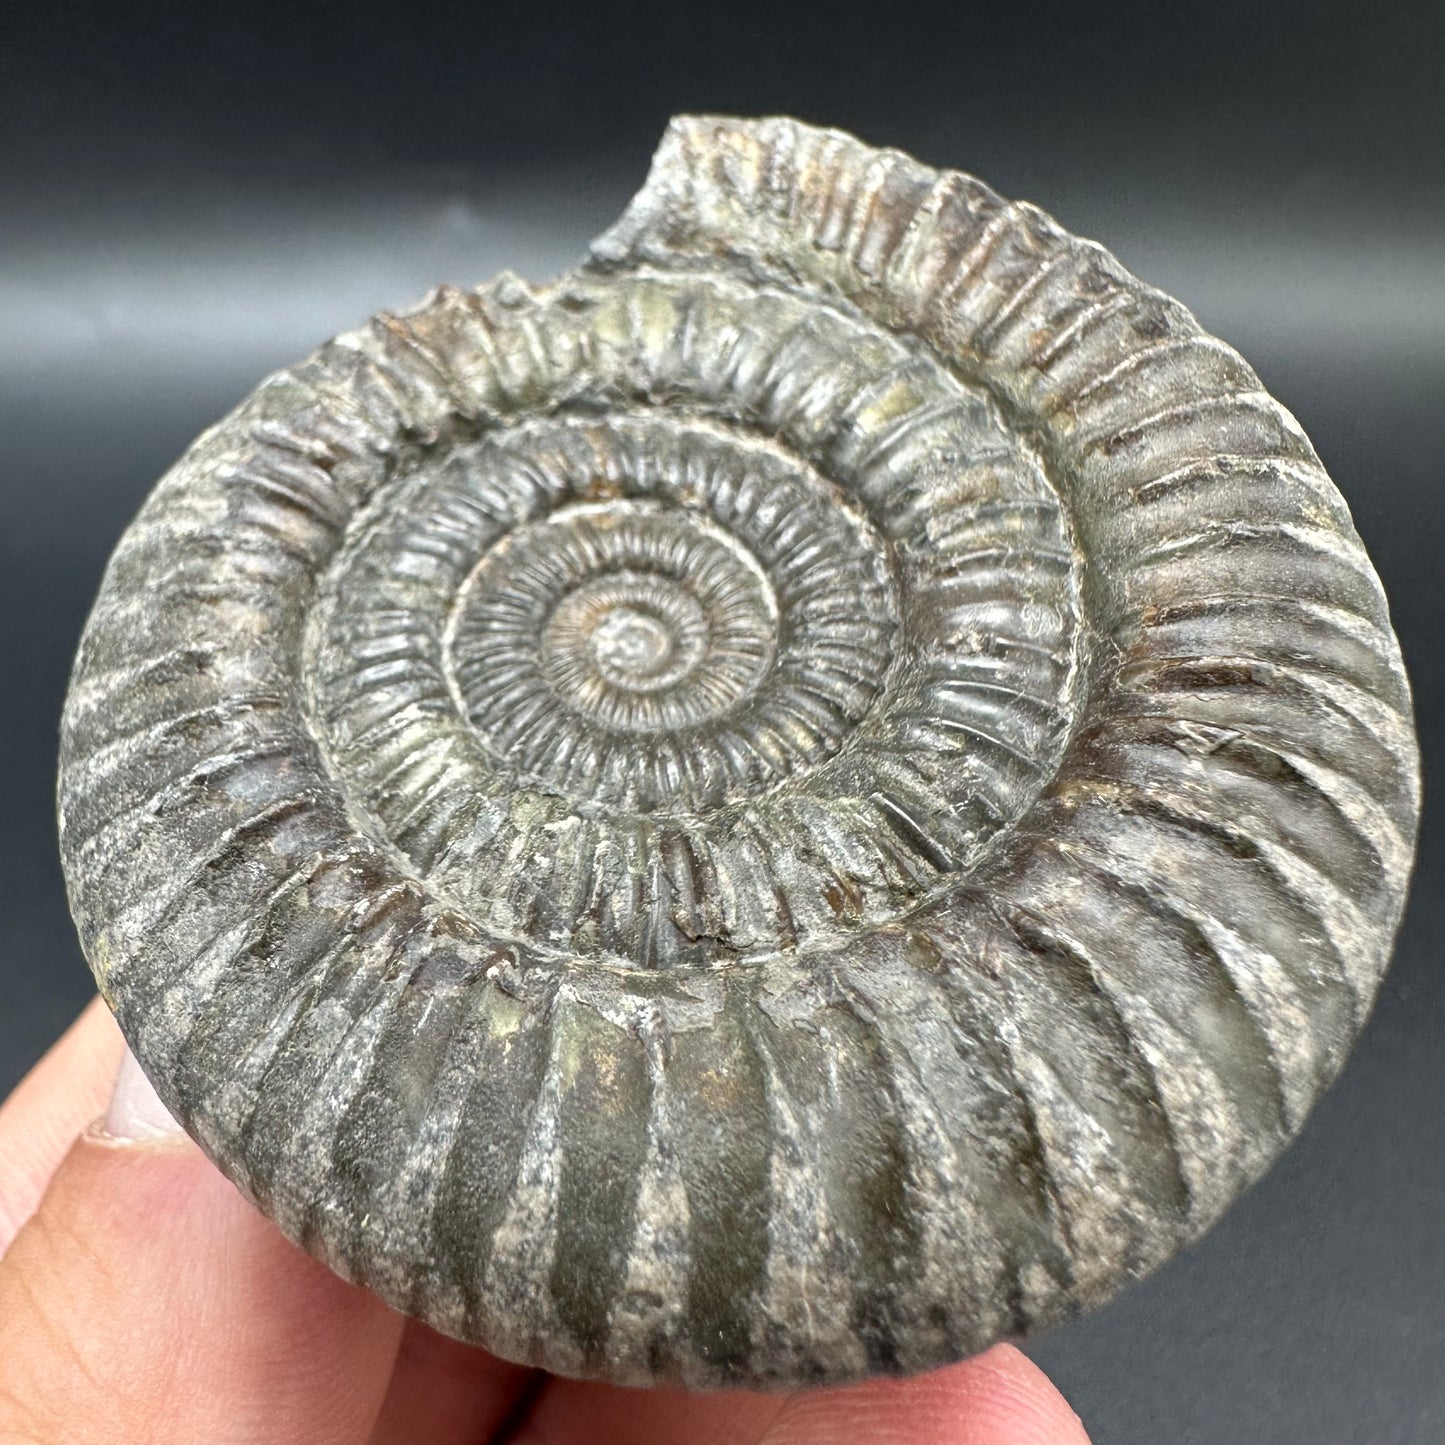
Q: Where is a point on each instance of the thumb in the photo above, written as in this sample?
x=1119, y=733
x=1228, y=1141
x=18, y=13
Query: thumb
x=146, y=1300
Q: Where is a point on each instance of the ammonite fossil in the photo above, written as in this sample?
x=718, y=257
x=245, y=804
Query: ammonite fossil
x=821, y=791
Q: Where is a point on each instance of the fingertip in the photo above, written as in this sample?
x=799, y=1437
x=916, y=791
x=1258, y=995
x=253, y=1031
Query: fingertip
x=146, y=1291
x=59, y=1097
x=998, y=1398
x=135, y=1112
x=1010, y=1395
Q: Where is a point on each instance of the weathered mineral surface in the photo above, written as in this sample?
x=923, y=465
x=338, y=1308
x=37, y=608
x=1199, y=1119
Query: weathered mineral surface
x=826, y=789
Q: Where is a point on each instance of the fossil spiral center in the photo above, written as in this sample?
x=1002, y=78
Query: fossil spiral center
x=635, y=615
x=632, y=646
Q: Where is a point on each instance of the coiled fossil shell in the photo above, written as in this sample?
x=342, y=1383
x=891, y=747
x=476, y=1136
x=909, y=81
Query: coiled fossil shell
x=826, y=789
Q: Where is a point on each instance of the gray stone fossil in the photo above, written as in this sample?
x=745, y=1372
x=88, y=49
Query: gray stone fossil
x=826, y=789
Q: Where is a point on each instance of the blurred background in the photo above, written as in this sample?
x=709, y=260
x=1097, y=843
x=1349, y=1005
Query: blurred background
x=191, y=197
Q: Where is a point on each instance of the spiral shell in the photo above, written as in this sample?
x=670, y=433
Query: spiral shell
x=824, y=790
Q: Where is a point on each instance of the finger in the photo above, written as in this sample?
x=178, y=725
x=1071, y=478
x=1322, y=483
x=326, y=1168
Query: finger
x=570, y=1411
x=52, y=1104
x=446, y=1393
x=145, y=1300
x=998, y=1398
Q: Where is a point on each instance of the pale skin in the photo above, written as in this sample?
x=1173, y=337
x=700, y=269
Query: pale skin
x=143, y=1301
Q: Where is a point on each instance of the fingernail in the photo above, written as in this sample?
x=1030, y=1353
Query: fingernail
x=136, y=1112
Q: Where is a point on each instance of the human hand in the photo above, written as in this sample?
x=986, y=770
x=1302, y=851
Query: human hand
x=144, y=1302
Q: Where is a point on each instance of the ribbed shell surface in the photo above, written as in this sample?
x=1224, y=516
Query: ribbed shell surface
x=822, y=791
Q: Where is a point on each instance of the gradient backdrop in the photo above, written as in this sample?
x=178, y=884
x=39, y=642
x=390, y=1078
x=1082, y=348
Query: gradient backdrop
x=190, y=200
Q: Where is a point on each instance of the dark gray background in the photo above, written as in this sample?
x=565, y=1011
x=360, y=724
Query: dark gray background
x=188, y=201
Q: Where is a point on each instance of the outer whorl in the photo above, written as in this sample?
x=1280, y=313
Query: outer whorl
x=826, y=789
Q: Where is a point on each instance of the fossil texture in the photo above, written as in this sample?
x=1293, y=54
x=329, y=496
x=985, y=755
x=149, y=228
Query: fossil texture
x=823, y=790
